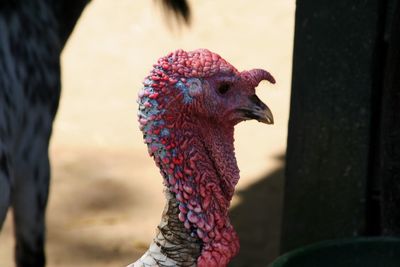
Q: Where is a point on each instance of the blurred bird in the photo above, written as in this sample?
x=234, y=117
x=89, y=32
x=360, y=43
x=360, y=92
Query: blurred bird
x=32, y=36
x=188, y=108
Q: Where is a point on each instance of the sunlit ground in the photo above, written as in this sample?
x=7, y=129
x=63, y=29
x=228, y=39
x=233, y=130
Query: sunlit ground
x=106, y=193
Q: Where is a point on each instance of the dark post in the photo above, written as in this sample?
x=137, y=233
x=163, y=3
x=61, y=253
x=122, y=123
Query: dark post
x=390, y=133
x=331, y=189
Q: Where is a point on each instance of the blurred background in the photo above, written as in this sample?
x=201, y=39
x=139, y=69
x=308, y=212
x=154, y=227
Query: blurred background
x=106, y=193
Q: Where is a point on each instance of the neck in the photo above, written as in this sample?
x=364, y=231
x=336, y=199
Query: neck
x=200, y=171
x=218, y=145
x=173, y=244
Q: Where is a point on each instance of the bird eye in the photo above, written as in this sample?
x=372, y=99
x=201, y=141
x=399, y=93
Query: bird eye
x=223, y=88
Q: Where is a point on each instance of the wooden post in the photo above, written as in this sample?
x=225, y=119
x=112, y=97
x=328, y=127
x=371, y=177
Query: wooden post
x=331, y=188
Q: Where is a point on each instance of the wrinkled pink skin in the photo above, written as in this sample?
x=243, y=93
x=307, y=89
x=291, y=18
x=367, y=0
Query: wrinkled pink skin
x=196, y=153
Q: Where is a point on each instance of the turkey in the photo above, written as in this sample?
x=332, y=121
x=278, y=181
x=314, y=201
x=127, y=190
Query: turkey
x=188, y=108
x=32, y=36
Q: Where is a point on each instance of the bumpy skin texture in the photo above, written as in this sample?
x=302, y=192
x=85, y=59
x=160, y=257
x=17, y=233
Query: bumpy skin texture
x=187, y=111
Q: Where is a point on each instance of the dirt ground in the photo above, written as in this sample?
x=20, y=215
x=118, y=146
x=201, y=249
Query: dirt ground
x=106, y=194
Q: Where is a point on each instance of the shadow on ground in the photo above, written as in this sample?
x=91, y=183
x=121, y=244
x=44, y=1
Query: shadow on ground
x=102, y=194
x=257, y=220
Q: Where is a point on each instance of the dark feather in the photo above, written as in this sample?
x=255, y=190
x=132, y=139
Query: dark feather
x=180, y=8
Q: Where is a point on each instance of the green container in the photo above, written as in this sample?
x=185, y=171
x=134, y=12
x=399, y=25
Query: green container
x=355, y=252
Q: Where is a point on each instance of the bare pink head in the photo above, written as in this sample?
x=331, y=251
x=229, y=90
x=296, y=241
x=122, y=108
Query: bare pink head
x=204, y=84
x=187, y=109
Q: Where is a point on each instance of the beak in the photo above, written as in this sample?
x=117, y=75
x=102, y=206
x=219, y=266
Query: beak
x=257, y=111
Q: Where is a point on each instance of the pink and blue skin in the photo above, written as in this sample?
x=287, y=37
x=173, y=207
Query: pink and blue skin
x=188, y=108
